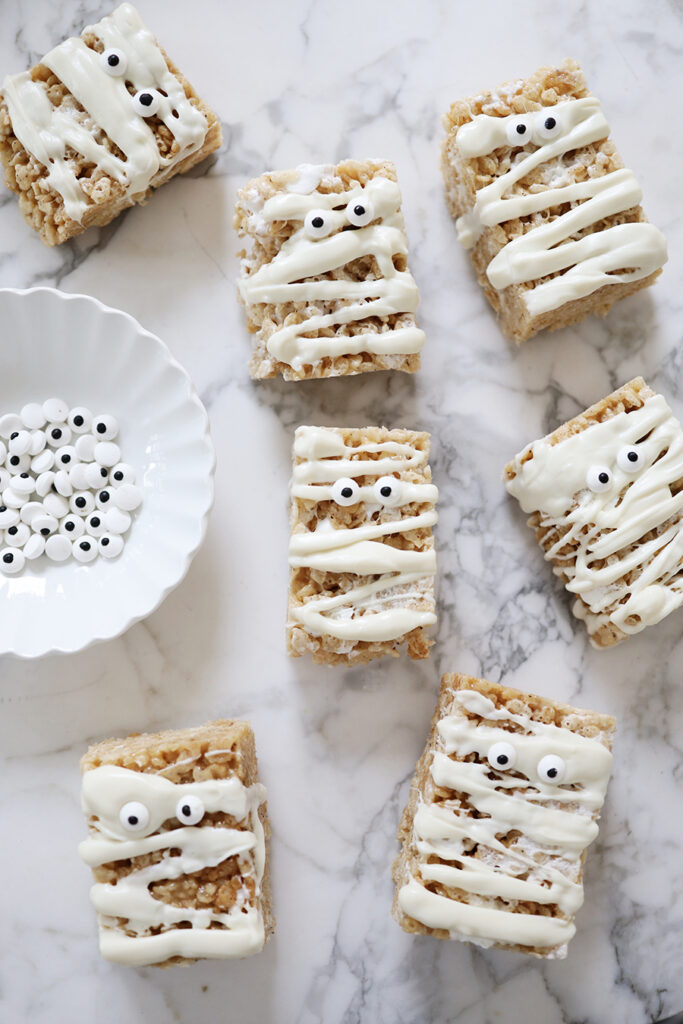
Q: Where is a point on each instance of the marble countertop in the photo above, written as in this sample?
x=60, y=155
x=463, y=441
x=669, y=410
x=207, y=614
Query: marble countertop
x=315, y=81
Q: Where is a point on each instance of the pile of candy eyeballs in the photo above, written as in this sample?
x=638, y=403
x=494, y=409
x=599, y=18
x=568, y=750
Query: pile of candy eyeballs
x=64, y=490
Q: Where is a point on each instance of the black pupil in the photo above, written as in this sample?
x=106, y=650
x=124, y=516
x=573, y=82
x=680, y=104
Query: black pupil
x=502, y=759
x=317, y=222
x=15, y=460
x=56, y=433
x=521, y=129
x=118, y=476
x=385, y=491
x=95, y=521
x=15, y=434
x=69, y=526
x=104, y=496
x=132, y=819
x=12, y=530
x=80, y=502
x=146, y=100
x=101, y=427
x=359, y=211
x=66, y=458
x=550, y=123
x=187, y=810
x=85, y=546
x=45, y=531
x=632, y=456
x=603, y=478
x=105, y=541
x=346, y=492
x=103, y=472
x=7, y=558
x=78, y=420
x=552, y=772
x=112, y=61
x=24, y=476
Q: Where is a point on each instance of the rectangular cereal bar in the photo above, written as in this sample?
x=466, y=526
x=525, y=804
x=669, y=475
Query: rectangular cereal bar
x=177, y=845
x=325, y=279
x=505, y=800
x=544, y=202
x=605, y=497
x=98, y=123
x=361, y=551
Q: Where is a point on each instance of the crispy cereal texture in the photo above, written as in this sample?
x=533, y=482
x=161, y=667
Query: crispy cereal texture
x=424, y=790
x=307, y=584
x=465, y=177
x=627, y=398
x=265, y=240
x=217, y=750
x=43, y=207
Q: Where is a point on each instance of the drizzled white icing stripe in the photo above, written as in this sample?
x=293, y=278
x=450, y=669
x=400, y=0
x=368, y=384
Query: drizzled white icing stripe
x=108, y=789
x=46, y=131
x=589, y=263
x=359, y=550
x=555, y=825
x=284, y=278
x=620, y=577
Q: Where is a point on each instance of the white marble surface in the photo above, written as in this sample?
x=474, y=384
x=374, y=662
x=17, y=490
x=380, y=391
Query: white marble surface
x=311, y=80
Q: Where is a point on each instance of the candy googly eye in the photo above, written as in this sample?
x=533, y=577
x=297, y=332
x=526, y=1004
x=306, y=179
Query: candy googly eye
x=134, y=816
x=630, y=460
x=9, y=424
x=29, y=511
x=359, y=212
x=189, y=810
x=85, y=549
x=18, y=463
x=55, y=505
x=388, y=491
x=105, y=428
x=117, y=521
x=16, y=536
x=502, y=755
x=81, y=503
x=44, y=524
x=110, y=545
x=72, y=527
x=5, y=478
x=19, y=442
x=12, y=560
x=77, y=476
x=85, y=447
x=63, y=484
x=107, y=453
x=57, y=435
x=318, y=223
x=55, y=410
x=58, y=548
x=546, y=126
x=122, y=474
x=79, y=420
x=8, y=517
x=65, y=456
x=345, y=491
x=146, y=103
x=44, y=483
x=127, y=497
x=551, y=768
x=103, y=499
x=95, y=475
x=34, y=547
x=518, y=131
x=42, y=462
x=599, y=479
x=12, y=499
x=114, y=62
x=32, y=416
x=95, y=525
x=24, y=484
x=38, y=442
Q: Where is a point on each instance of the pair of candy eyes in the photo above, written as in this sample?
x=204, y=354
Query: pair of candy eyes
x=145, y=102
x=134, y=816
x=321, y=223
x=387, y=491
x=539, y=128
x=550, y=768
x=599, y=478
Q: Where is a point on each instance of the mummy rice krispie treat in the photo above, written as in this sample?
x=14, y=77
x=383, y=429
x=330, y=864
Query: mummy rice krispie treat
x=504, y=802
x=325, y=278
x=96, y=125
x=543, y=200
x=64, y=490
x=177, y=845
x=361, y=551
x=605, y=497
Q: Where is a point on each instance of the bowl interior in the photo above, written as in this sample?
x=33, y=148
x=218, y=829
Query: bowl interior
x=72, y=347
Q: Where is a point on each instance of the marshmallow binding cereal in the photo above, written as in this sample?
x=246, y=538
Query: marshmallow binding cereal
x=504, y=802
x=543, y=201
x=605, y=496
x=325, y=279
x=361, y=552
x=177, y=844
x=96, y=125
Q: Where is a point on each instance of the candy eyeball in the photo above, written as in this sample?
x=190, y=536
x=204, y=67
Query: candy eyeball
x=630, y=460
x=65, y=456
x=9, y=424
x=56, y=505
x=359, y=212
x=110, y=545
x=29, y=511
x=94, y=524
x=345, y=491
x=551, y=768
x=134, y=816
x=63, y=484
x=12, y=499
x=85, y=549
x=44, y=483
x=189, y=810
x=114, y=62
x=19, y=442
x=546, y=126
x=103, y=499
x=388, y=491
x=599, y=479
x=122, y=473
x=58, y=548
x=18, y=463
x=117, y=521
x=81, y=503
x=24, y=484
x=146, y=102
x=32, y=416
x=318, y=223
x=105, y=428
x=96, y=476
x=57, y=435
x=11, y=560
x=502, y=756
x=8, y=517
x=107, y=453
x=38, y=442
x=85, y=447
x=72, y=526
x=518, y=131
x=16, y=536
x=34, y=546
x=79, y=420
x=44, y=524
x=127, y=497
x=42, y=462
x=78, y=477
x=55, y=410
x=5, y=478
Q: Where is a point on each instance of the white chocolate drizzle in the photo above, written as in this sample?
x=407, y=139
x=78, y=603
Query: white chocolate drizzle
x=287, y=277
x=556, y=824
x=635, y=250
x=237, y=933
x=45, y=131
x=619, y=576
x=388, y=607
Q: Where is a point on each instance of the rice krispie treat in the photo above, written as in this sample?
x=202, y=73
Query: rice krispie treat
x=96, y=125
x=325, y=278
x=543, y=200
x=361, y=551
x=605, y=497
x=177, y=845
x=504, y=802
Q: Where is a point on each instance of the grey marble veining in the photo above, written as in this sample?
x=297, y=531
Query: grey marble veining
x=316, y=81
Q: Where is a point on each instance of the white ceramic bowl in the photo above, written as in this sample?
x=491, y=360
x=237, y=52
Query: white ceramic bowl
x=73, y=347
